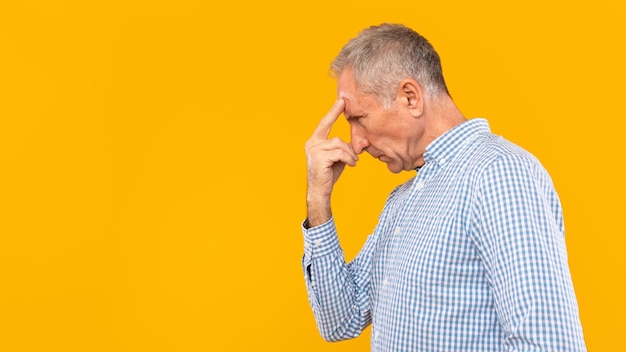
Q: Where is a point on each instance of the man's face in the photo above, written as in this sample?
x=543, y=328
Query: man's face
x=383, y=133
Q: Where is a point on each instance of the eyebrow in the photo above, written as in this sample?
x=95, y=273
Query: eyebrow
x=351, y=116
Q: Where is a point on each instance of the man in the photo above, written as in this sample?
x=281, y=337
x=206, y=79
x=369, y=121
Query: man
x=469, y=255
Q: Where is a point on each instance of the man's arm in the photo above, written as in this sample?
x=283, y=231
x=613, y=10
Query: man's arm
x=519, y=234
x=337, y=291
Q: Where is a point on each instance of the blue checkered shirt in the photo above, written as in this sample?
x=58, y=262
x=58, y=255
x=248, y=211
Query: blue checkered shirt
x=469, y=255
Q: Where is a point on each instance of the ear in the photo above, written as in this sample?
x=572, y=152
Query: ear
x=411, y=96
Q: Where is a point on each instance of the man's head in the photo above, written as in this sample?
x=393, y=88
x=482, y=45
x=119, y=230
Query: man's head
x=382, y=56
x=396, y=100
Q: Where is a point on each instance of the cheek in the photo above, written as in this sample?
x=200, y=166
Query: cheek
x=381, y=136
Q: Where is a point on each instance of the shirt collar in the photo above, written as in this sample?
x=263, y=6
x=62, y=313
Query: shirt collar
x=446, y=146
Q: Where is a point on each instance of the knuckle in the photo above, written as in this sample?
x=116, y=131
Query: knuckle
x=336, y=140
x=312, y=142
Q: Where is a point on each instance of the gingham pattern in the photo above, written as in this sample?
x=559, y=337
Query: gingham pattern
x=469, y=255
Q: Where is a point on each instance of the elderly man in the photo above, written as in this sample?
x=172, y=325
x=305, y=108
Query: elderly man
x=468, y=255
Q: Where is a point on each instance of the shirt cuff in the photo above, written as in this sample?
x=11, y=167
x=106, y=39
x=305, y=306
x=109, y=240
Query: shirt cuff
x=320, y=240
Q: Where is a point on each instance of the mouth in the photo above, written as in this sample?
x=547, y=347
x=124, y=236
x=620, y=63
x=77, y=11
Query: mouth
x=375, y=155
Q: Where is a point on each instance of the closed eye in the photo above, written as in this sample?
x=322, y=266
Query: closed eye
x=355, y=117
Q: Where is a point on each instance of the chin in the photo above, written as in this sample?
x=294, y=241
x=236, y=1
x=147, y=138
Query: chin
x=394, y=168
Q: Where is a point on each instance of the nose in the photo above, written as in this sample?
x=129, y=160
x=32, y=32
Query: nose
x=358, y=140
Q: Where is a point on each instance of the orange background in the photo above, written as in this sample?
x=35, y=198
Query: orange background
x=152, y=172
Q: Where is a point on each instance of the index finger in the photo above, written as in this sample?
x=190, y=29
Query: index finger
x=323, y=129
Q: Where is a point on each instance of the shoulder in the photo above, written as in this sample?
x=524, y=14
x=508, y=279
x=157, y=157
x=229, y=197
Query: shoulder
x=495, y=154
x=496, y=165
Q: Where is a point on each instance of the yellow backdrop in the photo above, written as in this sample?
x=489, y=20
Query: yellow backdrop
x=152, y=172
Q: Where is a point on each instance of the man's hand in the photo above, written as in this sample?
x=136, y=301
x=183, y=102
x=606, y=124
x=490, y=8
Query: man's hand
x=326, y=159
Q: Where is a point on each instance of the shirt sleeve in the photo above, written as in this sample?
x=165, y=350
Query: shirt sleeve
x=518, y=232
x=338, y=292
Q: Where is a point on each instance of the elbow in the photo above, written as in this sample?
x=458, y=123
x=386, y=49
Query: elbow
x=337, y=333
x=328, y=333
x=330, y=336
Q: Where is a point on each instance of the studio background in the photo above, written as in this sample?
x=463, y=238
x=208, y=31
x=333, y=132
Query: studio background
x=152, y=172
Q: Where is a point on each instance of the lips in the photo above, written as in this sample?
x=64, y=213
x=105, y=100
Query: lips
x=375, y=154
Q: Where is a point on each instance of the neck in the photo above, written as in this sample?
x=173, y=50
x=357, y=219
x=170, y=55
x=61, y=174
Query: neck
x=440, y=116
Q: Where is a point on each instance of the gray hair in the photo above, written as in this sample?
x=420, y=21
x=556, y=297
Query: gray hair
x=382, y=56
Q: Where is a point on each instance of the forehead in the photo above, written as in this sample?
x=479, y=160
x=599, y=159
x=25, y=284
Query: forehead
x=356, y=102
x=346, y=86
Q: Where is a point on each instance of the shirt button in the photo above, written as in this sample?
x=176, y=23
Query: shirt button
x=385, y=282
x=396, y=231
x=313, y=284
x=419, y=185
x=318, y=243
